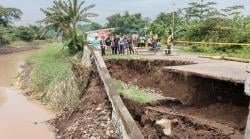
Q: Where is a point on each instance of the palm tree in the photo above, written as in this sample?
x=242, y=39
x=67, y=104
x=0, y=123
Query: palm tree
x=63, y=17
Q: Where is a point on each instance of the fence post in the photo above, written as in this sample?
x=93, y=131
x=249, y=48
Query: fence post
x=247, y=91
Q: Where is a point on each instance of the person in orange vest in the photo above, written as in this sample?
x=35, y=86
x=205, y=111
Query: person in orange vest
x=170, y=42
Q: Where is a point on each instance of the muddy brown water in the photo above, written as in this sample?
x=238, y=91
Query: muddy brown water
x=20, y=118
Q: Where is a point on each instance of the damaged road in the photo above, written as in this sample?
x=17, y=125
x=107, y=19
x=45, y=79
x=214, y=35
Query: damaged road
x=207, y=108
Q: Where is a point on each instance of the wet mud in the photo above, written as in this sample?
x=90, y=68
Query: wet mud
x=208, y=108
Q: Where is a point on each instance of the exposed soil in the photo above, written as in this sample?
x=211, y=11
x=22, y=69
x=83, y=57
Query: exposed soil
x=91, y=118
x=209, y=108
x=23, y=77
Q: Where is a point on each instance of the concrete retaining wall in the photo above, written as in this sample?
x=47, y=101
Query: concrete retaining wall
x=123, y=120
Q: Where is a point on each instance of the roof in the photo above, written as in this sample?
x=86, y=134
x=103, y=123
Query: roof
x=100, y=30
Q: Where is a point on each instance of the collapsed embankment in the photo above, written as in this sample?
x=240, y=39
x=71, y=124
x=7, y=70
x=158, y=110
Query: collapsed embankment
x=92, y=116
x=74, y=89
x=208, y=108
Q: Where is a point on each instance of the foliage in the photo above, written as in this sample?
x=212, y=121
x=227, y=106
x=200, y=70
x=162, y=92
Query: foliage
x=89, y=27
x=200, y=9
x=25, y=33
x=126, y=23
x=8, y=15
x=230, y=51
x=4, y=38
x=63, y=18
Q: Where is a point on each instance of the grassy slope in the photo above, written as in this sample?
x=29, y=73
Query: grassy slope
x=50, y=67
x=135, y=93
x=123, y=57
x=51, y=78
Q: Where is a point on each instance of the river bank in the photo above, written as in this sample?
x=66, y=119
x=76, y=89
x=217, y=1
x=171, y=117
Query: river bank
x=64, y=85
x=21, y=46
x=18, y=115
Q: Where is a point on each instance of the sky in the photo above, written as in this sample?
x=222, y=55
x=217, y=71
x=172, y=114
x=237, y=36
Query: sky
x=105, y=8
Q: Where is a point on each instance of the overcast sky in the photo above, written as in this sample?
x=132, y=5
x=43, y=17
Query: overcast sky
x=105, y=8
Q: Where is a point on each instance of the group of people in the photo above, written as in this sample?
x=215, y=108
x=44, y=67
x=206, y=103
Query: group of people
x=119, y=44
x=115, y=44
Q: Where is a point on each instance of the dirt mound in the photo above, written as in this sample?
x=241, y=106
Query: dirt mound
x=91, y=118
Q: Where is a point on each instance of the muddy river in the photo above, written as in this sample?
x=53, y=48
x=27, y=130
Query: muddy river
x=20, y=118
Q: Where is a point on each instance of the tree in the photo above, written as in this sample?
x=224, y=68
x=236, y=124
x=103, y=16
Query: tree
x=90, y=26
x=126, y=23
x=164, y=23
x=8, y=15
x=200, y=10
x=63, y=17
x=232, y=11
x=25, y=33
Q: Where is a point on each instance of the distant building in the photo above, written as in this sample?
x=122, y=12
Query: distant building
x=99, y=33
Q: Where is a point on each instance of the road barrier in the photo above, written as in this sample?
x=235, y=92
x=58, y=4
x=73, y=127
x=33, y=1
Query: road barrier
x=124, y=123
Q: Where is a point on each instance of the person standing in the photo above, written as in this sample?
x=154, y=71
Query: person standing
x=154, y=41
x=142, y=41
x=113, y=45
x=121, y=46
x=95, y=43
x=103, y=45
x=170, y=42
x=108, y=44
x=116, y=43
x=130, y=45
x=149, y=41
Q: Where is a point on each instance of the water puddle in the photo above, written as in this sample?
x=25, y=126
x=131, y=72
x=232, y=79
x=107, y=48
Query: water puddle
x=20, y=118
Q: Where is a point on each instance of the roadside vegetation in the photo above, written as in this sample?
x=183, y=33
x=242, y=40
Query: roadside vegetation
x=225, y=51
x=123, y=57
x=51, y=79
x=64, y=17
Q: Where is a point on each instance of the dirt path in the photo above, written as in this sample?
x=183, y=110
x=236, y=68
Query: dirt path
x=19, y=117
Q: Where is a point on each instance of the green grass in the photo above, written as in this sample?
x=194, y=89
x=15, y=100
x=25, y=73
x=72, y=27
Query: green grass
x=51, y=79
x=229, y=51
x=50, y=66
x=135, y=93
x=123, y=57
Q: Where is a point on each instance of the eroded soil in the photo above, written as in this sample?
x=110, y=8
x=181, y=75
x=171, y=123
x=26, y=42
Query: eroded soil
x=208, y=108
x=92, y=117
